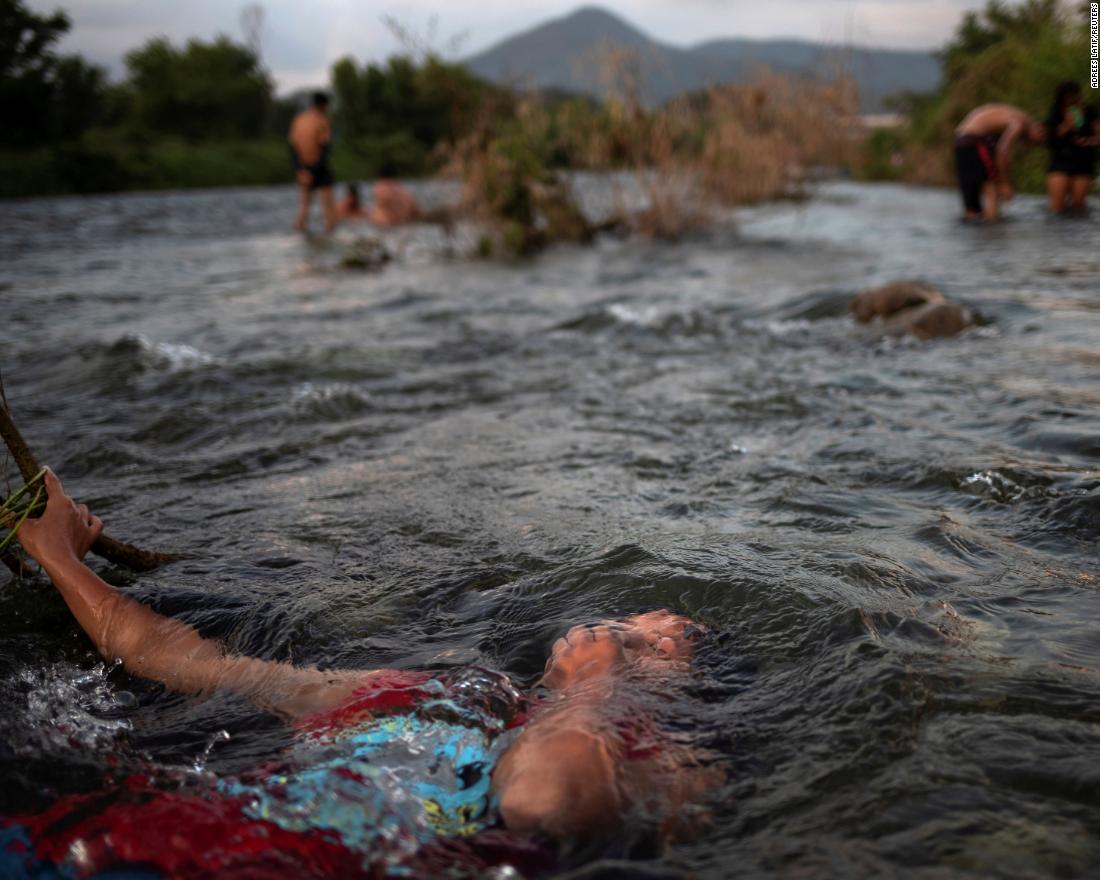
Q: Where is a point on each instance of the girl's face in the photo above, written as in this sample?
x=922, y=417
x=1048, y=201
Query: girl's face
x=601, y=650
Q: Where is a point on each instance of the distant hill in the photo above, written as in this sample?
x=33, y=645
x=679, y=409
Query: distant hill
x=563, y=53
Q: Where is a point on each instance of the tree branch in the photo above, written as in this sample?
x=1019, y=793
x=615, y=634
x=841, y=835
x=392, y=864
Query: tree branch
x=109, y=548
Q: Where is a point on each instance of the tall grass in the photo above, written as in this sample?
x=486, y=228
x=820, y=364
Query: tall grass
x=727, y=146
x=26, y=501
x=767, y=138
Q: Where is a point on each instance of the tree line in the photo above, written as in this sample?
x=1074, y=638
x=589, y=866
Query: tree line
x=200, y=90
x=205, y=113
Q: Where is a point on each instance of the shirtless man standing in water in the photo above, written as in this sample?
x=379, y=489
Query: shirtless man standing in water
x=983, y=153
x=310, y=137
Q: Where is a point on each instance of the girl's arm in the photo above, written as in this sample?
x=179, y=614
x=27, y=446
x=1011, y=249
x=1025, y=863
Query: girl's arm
x=161, y=648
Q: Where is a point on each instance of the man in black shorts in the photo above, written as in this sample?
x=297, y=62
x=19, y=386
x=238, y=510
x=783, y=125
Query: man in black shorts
x=983, y=153
x=310, y=138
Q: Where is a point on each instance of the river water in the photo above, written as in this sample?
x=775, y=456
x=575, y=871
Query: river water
x=448, y=462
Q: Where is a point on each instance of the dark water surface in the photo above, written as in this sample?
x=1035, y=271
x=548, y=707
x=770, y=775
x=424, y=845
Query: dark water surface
x=450, y=462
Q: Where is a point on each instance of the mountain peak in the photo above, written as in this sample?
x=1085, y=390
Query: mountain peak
x=555, y=53
x=593, y=13
x=592, y=9
x=597, y=24
x=557, y=45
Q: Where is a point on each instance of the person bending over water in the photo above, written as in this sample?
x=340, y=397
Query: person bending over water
x=310, y=140
x=1074, y=134
x=584, y=751
x=983, y=156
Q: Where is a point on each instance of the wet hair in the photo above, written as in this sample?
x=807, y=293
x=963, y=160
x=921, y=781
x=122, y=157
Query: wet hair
x=387, y=168
x=1066, y=89
x=320, y=99
x=353, y=193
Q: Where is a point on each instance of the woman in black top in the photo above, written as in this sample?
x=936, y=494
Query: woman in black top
x=1074, y=132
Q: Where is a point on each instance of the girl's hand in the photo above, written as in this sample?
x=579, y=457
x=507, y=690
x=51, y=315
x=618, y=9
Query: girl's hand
x=64, y=533
x=588, y=653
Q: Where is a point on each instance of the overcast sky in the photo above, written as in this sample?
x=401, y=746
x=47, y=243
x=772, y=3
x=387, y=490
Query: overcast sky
x=301, y=38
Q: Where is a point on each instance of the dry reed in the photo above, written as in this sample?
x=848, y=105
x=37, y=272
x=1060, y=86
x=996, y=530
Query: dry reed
x=728, y=146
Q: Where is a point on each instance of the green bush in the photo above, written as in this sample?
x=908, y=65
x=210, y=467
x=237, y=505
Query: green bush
x=100, y=163
x=105, y=161
x=365, y=157
x=30, y=173
x=882, y=146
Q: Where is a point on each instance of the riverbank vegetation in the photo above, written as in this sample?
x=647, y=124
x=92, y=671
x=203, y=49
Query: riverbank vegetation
x=674, y=165
x=1010, y=53
x=205, y=114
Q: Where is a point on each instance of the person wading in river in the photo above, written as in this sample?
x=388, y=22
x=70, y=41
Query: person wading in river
x=585, y=751
x=310, y=138
x=984, y=141
x=1074, y=135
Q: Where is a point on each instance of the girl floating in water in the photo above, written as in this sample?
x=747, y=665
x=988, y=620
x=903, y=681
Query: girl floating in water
x=391, y=769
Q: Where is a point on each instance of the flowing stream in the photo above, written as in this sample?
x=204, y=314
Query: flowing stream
x=448, y=462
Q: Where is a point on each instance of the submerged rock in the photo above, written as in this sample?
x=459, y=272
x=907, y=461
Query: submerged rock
x=911, y=307
x=365, y=253
x=881, y=302
x=940, y=319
